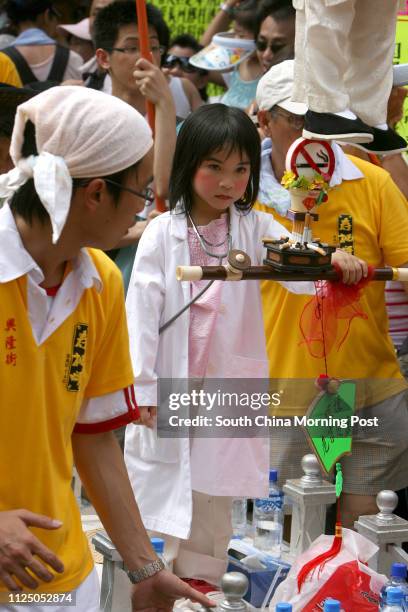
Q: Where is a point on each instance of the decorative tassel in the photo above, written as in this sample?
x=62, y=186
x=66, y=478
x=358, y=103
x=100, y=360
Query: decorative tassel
x=321, y=560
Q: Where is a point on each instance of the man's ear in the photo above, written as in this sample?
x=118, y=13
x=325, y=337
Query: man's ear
x=263, y=120
x=103, y=58
x=94, y=193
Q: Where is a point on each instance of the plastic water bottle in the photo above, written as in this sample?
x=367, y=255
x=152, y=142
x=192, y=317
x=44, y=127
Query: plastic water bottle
x=268, y=519
x=398, y=578
x=393, y=600
x=158, y=547
x=239, y=516
x=284, y=607
x=331, y=605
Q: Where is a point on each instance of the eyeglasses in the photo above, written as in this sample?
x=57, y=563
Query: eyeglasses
x=263, y=45
x=136, y=50
x=147, y=195
x=172, y=61
x=296, y=121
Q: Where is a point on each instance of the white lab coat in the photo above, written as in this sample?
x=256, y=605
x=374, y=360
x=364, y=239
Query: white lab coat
x=159, y=468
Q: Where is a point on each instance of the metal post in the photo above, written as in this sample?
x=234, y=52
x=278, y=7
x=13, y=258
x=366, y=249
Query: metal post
x=387, y=531
x=310, y=495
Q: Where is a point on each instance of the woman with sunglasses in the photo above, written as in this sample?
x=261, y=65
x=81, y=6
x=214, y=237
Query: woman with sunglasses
x=177, y=63
x=35, y=52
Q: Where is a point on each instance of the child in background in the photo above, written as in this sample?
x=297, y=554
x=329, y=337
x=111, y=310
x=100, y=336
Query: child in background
x=185, y=487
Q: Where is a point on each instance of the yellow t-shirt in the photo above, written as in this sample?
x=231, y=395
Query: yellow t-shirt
x=42, y=390
x=369, y=217
x=8, y=72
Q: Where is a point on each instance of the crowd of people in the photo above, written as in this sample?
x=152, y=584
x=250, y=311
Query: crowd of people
x=79, y=234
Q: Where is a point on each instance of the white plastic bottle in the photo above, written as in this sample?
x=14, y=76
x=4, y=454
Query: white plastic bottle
x=268, y=519
x=239, y=516
x=394, y=597
x=158, y=547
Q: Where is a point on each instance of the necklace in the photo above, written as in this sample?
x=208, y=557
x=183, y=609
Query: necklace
x=204, y=243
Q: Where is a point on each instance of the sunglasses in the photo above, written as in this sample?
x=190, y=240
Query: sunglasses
x=263, y=45
x=173, y=61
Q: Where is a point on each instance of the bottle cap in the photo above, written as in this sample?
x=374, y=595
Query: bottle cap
x=394, y=595
x=399, y=570
x=331, y=605
x=158, y=545
x=273, y=475
x=284, y=607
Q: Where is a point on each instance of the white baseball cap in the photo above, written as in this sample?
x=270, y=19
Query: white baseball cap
x=275, y=89
x=80, y=30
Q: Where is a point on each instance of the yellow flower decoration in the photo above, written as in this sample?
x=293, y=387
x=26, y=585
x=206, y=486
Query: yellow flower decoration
x=288, y=178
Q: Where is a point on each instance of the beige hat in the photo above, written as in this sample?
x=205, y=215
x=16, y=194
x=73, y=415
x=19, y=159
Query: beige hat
x=275, y=88
x=80, y=30
x=79, y=132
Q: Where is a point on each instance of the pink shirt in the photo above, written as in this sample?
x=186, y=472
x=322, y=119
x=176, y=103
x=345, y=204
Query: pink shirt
x=203, y=314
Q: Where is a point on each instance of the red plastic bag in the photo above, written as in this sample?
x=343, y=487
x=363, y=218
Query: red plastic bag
x=345, y=577
x=351, y=585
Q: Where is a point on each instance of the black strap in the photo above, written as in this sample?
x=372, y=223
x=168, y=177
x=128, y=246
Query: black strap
x=25, y=73
x=59, y=65
x=57, y=71
x=94, y=80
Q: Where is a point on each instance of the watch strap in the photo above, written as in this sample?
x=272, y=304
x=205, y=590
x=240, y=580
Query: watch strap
x=147, y=571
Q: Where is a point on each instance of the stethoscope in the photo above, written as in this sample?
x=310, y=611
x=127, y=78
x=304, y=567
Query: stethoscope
x=219, y=256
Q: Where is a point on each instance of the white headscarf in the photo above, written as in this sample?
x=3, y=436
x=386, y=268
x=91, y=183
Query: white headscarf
x=80, y=133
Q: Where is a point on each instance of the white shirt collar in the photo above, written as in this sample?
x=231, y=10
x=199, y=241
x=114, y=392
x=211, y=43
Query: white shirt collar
x=15, y=261
x=271, y=192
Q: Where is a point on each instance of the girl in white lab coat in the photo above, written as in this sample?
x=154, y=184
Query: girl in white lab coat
x=184, y=487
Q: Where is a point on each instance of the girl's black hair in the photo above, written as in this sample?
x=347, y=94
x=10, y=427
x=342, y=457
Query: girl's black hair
x=26, y=203
x=245, y=15
x=211, y=128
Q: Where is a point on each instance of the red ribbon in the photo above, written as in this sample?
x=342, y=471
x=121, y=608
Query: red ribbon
x=333, y=302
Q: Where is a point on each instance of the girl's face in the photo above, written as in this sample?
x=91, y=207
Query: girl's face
x=221, y=179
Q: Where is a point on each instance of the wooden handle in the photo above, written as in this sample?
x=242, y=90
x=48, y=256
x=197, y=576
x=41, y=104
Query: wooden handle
x=189, y=273
x=269, y=273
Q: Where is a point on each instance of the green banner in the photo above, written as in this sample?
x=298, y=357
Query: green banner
x=188, y=16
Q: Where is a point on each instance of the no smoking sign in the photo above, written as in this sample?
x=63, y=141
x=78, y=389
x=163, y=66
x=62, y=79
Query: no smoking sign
x=309, y=157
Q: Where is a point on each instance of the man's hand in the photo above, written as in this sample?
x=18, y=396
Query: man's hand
x=161, y=591
x=152, y=83
x=352, y=268
x=148, y=416
x=18, y=547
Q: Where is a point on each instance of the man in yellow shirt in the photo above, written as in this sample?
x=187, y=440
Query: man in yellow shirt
x=65, y=370
x=8, y=72
x=369, y=216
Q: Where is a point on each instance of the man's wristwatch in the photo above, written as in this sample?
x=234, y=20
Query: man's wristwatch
x=228, y=9
x=146, y=571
